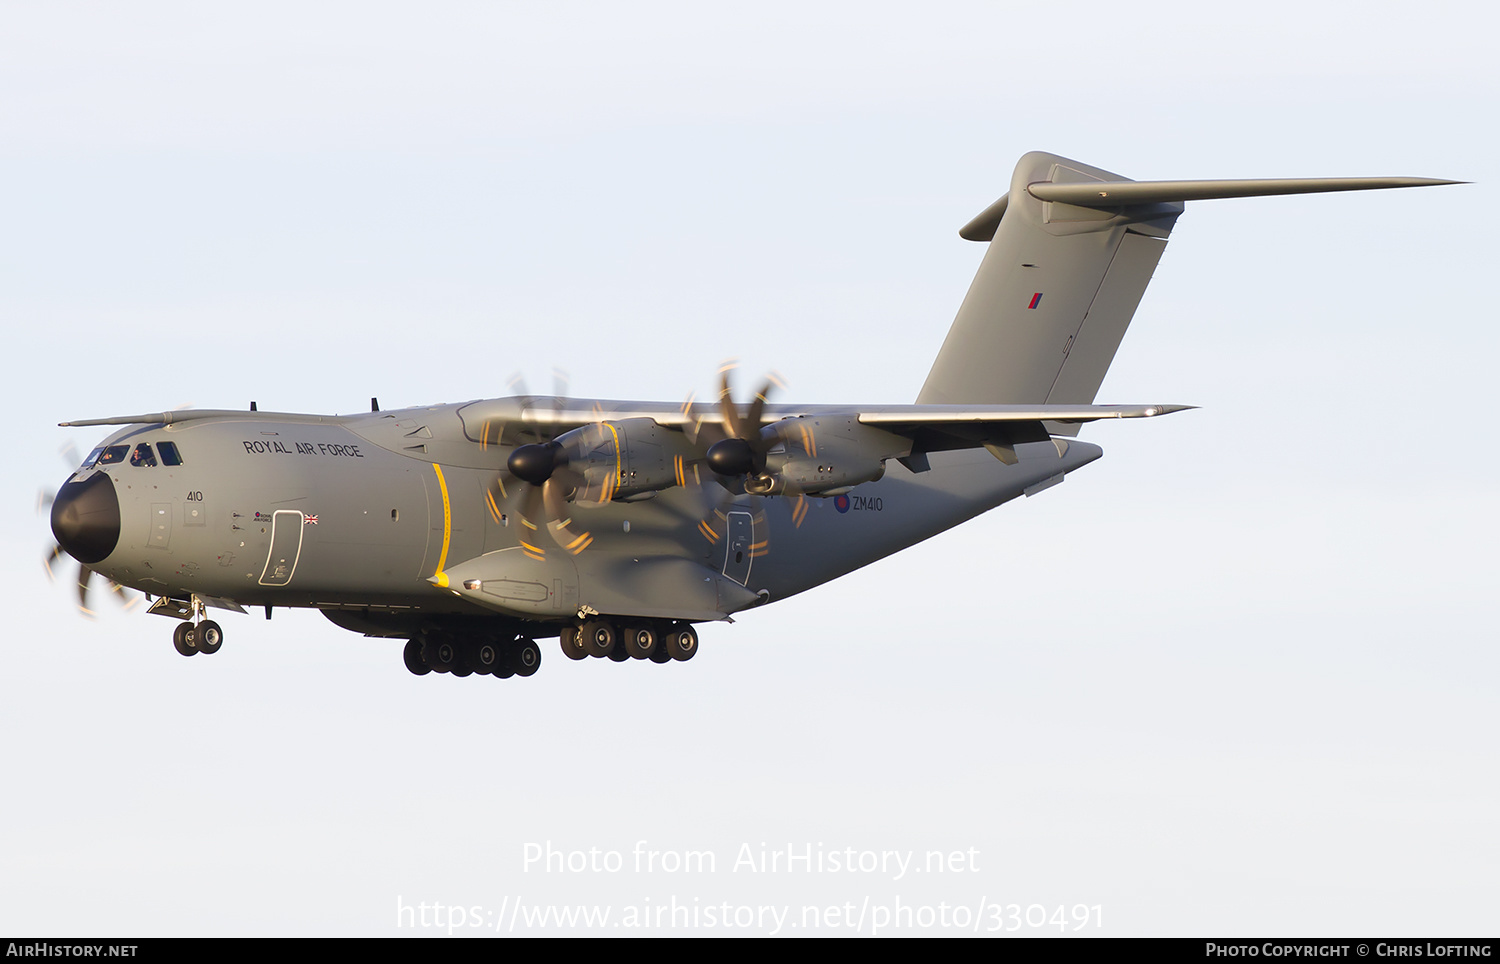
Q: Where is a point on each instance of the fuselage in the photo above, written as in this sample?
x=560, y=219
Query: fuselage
x=368, y=513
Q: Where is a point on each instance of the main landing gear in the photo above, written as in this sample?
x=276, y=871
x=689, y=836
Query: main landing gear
x=604, y=638
x=464, y=657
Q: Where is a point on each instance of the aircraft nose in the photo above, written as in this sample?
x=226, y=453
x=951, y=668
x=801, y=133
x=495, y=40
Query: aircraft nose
x=86, y=518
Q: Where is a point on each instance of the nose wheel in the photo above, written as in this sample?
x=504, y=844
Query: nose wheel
x=194, y=634
x=182, y=639
x=209, y=637
x=205, y=637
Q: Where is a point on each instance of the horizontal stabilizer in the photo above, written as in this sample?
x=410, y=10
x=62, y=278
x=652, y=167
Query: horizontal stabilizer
x=1113, y=194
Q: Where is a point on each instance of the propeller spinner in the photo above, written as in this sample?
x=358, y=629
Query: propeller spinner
x=743, y=453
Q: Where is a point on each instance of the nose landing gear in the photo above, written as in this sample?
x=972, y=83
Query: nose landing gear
x=194, y=634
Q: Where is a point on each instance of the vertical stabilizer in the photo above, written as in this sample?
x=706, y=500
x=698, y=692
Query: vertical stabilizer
x=1054, y=294
x=1072, y=249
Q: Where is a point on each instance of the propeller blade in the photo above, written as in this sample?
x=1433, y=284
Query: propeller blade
x=688, y=472
x=690, y=430
x=491, y=431
x=762, y=547
x=561, y=523
x=726, y=403
x=126, y=598
x=492, y=503
x=531, y=505
x=84, y=575
x=758, y=407
x=799, y=510
x=50, y=558
x=713, y=525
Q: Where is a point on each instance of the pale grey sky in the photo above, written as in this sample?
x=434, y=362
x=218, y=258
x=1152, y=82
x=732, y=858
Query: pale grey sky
x=1235, y=678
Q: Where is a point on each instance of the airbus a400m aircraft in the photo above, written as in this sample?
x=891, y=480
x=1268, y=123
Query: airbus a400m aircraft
x=471, y=530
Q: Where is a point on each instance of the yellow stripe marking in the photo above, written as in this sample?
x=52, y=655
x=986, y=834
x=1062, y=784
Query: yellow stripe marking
x=447, y=520
x=619, y=469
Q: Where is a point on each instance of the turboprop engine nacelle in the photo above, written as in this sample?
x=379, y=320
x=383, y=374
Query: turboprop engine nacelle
x=824, y=456
x=624, y=459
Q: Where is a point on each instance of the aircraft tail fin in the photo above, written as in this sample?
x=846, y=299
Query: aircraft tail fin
x=1071, y=251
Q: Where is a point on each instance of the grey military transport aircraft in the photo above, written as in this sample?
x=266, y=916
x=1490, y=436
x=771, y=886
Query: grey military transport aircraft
x=471, y=530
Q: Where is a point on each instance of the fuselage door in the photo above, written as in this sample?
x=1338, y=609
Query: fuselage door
x=737, y=546
x=286, y=546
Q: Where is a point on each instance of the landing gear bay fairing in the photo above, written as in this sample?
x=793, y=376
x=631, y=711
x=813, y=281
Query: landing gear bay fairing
x=471, y=530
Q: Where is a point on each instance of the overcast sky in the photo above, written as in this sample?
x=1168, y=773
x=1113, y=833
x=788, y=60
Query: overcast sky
x=1237, y=677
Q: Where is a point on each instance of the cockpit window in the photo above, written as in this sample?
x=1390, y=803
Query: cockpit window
x=143, y=456
x=93, y=457
x=113, y=454
x=169, y=454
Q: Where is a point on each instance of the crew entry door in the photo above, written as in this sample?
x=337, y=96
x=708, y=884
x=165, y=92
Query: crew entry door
x=286, y=547
x=737, y=546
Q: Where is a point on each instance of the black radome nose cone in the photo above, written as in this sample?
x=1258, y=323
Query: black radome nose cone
x=86, y=518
